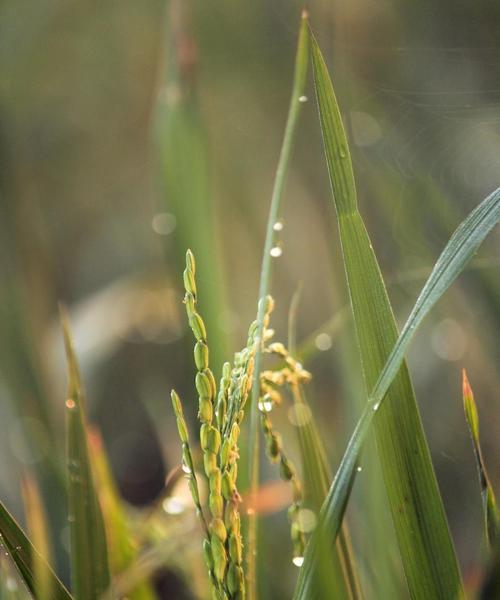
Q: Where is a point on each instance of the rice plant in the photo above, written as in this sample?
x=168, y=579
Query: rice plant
x=114, y=557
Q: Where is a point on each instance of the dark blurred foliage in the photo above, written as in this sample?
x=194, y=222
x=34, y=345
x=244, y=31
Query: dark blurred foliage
x=129, y=131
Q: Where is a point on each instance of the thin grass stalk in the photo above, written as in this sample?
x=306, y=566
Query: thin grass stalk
x=299, y=84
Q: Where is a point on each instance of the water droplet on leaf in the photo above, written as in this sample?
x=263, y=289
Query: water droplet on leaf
x=298, y=561
x=265, y=406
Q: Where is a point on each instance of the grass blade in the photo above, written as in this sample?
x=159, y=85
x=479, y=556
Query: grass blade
x=89, y=560
x=122, y=552
x=25, y=556
x=299, y=83
x=489, y=503
x=426, y=548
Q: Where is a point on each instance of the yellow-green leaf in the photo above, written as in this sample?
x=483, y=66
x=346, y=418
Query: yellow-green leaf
x=122, y=551
x=37, y=526
x=490, y=509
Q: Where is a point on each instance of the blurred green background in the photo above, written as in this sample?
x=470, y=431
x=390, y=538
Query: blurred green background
x=130, y=131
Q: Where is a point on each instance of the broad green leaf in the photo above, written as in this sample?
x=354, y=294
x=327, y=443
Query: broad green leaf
x=89, y=557
x=25, y=557
x=122, y=552
x=490, y=509
x=420, y=523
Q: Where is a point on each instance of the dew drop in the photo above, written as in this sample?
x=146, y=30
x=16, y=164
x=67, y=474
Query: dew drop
x=342, y=152
x=265, y=406
x=276, y=251
x=298, y=561
x=278, y=226
x=303, y=98
x=376, y=406
x=359, y=469
x=186, y=468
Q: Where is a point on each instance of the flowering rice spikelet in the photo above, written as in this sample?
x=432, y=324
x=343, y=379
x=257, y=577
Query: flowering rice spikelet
x=221, y=412
x=291, y=374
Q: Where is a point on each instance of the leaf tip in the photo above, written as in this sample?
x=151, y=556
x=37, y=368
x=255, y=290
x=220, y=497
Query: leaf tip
x=470, y=406
x=466, y=389
x=74, y=385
